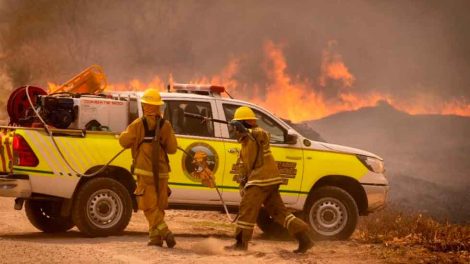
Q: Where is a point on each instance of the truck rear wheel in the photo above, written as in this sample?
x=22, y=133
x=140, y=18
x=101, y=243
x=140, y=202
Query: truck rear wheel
x=45, y=216
x=103, y=207
x=332, y=213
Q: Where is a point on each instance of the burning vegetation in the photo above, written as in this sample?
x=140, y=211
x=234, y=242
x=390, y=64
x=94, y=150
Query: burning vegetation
x=301, y=99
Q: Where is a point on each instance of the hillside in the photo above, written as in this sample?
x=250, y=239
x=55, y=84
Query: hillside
x=427, y=157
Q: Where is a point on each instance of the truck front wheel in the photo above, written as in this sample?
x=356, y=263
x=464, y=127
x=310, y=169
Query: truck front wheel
x=103, y=207
x=332, y=213
x=45, y=216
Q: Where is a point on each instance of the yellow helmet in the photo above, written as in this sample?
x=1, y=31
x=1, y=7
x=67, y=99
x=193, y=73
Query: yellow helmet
x=152, y=97
x=244, y=113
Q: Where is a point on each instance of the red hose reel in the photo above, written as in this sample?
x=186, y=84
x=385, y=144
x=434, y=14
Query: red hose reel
x=19, y=108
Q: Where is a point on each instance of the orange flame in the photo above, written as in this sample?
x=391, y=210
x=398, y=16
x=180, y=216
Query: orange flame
x=224, y=78
x=332, y=67
x=297, y=99
x=51, y=87
x=287, y=97
x=138, y=85
x=301, y=99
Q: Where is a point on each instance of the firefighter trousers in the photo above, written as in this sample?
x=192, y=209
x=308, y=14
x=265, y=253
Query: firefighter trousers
x=153, y=206
x=268, y=196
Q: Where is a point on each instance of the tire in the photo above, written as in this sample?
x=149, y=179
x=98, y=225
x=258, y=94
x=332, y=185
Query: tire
x=270, y=228
x=332, y=213
x=45, y=216
x=103, y=207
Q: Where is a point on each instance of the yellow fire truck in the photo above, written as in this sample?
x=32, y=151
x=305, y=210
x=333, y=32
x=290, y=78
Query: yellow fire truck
x=61, y=178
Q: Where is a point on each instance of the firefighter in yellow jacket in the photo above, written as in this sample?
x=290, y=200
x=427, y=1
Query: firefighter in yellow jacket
x=260, y=184
x=138, y=136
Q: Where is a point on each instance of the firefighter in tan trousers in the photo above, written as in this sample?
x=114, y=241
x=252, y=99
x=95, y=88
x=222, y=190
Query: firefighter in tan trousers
x=260, y=185
x=138, y=136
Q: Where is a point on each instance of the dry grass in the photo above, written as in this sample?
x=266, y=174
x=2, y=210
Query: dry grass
x=393, y=227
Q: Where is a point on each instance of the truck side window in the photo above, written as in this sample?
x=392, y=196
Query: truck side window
x=264, y=121
x=184, y=124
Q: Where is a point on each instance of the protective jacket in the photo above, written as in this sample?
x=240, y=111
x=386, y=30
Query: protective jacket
x=134, y=135
x=258, y=163
x=261, y=189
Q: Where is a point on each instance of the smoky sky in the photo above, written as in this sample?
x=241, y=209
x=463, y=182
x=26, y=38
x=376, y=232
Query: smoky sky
x=397, y=47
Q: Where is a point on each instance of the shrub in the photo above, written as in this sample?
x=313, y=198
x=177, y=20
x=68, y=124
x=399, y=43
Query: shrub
x=395, y=227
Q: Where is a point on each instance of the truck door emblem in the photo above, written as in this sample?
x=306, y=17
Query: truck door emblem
x=200, y=163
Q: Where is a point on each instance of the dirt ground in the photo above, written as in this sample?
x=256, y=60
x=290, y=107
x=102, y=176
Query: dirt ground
x=200, y=236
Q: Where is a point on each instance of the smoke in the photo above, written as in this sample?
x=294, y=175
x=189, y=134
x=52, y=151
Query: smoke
x=398, y=48
x=5, y=89
x=426, y=156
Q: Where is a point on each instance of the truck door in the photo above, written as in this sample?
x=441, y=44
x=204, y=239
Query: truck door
x=288, y=157
x=201, y=152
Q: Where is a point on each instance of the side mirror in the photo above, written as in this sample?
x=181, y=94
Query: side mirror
x=291, y=137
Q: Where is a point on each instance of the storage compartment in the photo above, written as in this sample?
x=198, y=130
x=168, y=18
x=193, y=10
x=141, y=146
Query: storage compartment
x=110, y=114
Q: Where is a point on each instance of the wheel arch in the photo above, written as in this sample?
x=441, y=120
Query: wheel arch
x=349, y=184
x=114, y=172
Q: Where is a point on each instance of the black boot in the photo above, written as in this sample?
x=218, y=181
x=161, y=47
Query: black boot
x=305, y=242
x=155, y=241
x=239, y=244
x=170, y=240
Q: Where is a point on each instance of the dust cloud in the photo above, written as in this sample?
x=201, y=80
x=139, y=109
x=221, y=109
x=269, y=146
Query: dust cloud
x=209, y=246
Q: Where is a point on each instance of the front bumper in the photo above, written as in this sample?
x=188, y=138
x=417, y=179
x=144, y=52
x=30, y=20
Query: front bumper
x=15, y=185
x=376, y=196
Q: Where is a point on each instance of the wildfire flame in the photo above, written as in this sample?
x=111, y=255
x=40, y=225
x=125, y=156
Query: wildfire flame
x=300, y=99
x=332, y=67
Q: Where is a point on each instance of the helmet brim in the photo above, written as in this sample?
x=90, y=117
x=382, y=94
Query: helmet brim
x=152, y=103
x=241, y=119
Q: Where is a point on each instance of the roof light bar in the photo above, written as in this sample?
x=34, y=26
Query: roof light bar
x=204, y=89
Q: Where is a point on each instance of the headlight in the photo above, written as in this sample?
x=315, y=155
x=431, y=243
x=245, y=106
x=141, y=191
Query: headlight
x=373, y=164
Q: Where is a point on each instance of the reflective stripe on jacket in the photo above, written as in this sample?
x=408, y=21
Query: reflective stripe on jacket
x=258, y=161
